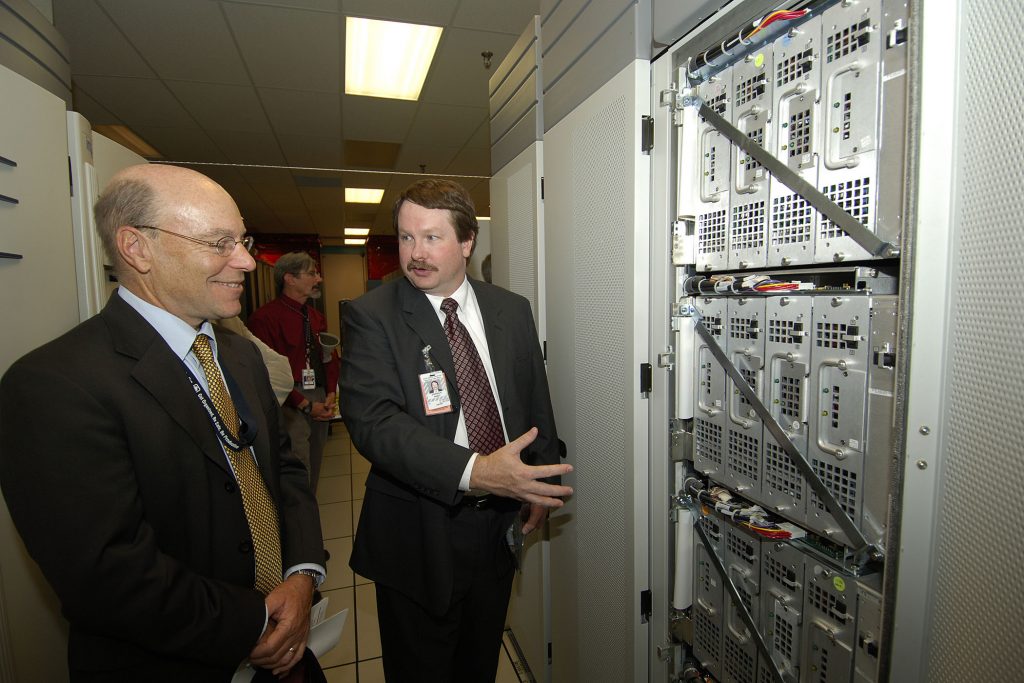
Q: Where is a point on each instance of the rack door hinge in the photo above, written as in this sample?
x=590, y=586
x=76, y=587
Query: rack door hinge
x=646, y=134
x=646, y=379
x=542, y=188
x=645, y=606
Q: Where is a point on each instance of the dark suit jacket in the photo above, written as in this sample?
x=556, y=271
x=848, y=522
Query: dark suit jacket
x=403, y=535
x=119, y=487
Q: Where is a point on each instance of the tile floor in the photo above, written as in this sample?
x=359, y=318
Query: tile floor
x=356, y=659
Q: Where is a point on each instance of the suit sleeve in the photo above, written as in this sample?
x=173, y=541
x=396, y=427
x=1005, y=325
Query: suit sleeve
x=70, y=484
x=378, y=392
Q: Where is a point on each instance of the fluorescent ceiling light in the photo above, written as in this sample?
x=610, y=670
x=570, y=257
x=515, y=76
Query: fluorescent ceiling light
x=387, y=58
x=362, y=195
x=355, y=242
x=357, y=232
x=483, y=218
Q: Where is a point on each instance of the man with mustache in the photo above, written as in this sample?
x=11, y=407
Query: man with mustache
x=292, y=327
x=162, y=503
x=451, y=469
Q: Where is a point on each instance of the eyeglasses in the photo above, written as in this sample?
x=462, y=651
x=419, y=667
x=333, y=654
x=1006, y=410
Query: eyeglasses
x=312, y=273
x=223, y=246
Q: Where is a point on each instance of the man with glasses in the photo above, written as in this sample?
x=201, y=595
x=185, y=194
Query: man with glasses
x=292, y=327
x=142, y=460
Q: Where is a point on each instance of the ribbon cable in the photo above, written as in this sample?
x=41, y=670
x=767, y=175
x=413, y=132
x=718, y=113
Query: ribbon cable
x=778, y=676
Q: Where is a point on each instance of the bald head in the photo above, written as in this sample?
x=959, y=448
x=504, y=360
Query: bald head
x=149, y=194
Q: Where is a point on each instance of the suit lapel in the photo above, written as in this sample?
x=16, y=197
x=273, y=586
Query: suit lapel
x=162, y=374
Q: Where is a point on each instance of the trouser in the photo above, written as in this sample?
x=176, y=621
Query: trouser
x=308, y=435
x=462, y=645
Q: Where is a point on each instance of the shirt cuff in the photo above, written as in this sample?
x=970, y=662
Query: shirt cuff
x=467, y=473
x=321, y=572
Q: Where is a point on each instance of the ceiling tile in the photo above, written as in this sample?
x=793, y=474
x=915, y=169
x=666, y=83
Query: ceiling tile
x=322, y=5
x=374, y=118
x=289, y=48
x=471, y=162
x=433, y=158
x=303, y=111
x=445, y=124
x=370, y=154
x=136, y=101
x=88, y=107
x=457, y=75
x=496, y=15
x=435, y=12
x=246, y=147
x=181, y=143
x=222, y=107
x=481, y=139
x=97, y=45
x=157, y=28
x=307, y=150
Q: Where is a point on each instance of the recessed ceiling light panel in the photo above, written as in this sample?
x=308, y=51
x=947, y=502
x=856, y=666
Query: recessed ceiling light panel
x=362, y=195
x=387, y=58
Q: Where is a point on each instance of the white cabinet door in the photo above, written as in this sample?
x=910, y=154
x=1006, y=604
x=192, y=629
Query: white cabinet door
x=596, y=206
x=38, y=301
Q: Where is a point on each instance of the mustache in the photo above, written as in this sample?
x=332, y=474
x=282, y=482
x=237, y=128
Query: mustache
x=419, y=265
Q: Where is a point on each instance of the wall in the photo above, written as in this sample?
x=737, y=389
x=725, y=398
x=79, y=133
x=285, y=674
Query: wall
x=344, y=278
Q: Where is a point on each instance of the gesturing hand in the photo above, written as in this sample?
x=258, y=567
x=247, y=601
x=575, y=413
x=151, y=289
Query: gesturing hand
x=503, y=473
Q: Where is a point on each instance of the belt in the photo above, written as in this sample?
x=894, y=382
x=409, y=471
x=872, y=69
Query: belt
x=477, y=502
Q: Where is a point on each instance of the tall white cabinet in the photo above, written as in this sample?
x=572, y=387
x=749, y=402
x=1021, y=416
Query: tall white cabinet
x=38, y=301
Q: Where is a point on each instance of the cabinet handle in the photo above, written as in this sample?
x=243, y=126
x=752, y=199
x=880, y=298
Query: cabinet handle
x=7, y=254
x=9, y=200
x=8, y=162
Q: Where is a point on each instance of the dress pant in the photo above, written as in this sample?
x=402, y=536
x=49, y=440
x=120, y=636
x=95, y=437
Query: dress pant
x=308, y=435
x=462, y=645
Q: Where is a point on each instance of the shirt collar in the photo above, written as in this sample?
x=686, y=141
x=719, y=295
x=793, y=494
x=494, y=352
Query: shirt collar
x=462, y=297
x=178, y=334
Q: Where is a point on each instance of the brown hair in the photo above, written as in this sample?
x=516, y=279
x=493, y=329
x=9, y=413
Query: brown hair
x=438, y=193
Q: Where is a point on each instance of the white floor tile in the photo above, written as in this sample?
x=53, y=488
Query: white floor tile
x=336, y=465
x=368, y=635
x=341, y=674
x=338, y=573
x=334, y=489
x=345, y=651
x=336, y=520
x=371, y=671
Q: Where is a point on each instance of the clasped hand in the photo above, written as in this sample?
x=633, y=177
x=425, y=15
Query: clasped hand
x=284, y=641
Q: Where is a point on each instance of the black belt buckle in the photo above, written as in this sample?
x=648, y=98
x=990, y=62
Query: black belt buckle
x=481, y=502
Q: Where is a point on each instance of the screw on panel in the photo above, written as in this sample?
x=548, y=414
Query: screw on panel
x=922, y=465
x=925, y=429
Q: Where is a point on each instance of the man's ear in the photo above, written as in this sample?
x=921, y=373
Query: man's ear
x=134, y=249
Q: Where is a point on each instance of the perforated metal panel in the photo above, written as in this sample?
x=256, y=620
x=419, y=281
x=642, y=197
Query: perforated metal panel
x=602, y=431
x=522, y=234
x=976, y=599
x=596, y=247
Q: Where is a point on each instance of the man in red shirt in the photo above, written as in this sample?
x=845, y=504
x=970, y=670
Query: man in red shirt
x=292, y=328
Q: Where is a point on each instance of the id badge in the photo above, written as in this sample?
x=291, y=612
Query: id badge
x=435, y=393
x=308, y=378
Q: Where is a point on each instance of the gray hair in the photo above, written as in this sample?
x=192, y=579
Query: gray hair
x=124, y=202
x=292, y=263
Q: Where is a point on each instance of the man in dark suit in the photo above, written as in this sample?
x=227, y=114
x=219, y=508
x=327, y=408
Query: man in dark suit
x=124, y=469
x=446, y=482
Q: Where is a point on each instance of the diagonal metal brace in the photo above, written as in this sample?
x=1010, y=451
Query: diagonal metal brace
x=778, y=676
x=866, y=239
x=824, y=494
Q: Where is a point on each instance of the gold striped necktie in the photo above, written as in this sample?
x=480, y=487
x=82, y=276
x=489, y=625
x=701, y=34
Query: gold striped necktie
x=260, y=510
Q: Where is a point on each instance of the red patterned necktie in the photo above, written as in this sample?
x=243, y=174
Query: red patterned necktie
x=259, y=507
x=483, y=424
